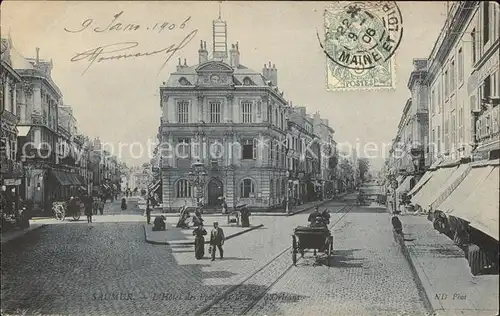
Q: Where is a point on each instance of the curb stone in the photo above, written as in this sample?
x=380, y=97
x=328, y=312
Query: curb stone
x=192, y=242
x=431, y=309
x=28, y=231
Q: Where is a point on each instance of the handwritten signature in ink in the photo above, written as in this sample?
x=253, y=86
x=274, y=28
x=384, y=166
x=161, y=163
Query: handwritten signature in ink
x=107, y=52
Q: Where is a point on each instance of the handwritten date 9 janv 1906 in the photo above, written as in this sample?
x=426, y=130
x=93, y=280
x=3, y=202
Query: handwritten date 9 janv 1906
x=117, y=25
x=103, y=53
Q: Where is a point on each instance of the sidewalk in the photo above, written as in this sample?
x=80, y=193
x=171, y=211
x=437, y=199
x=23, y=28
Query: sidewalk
x=14, y=234
x=444, y=272
x=176, y=236
x=295, y=210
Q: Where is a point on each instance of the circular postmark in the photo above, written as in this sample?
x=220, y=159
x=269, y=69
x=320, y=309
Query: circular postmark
x=361, y=35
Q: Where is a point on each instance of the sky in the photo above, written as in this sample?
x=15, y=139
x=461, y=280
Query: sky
x=118, y=100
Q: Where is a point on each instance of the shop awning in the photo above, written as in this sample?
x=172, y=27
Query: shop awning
x=421, y=183
x=404, y=186
x=154, y=186
x=481, y=206
x=475, y=176
x=453, y=181
x=61, y=177
x=424, y=196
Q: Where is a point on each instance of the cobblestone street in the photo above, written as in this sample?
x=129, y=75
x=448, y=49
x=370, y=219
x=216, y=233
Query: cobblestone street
x=107, y=268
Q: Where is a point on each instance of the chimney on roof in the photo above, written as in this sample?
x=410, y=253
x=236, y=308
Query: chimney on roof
x=179, y=65
x=270, y=73
x=234, y=56
x=202, y=52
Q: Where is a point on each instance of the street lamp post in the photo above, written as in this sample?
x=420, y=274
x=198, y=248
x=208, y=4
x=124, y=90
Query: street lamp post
x=197, y=177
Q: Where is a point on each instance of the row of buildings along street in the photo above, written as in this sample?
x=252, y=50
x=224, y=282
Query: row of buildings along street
x=44, y=157
x=445, y=156
x=228, y=131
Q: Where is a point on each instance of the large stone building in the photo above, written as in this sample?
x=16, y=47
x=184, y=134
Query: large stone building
x=11, y=172
x=49, y=156
x=234, y=121
x=409, y=151
x=461, y=185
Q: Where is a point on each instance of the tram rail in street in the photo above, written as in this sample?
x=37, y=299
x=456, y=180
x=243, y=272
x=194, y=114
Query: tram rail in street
x=227, y=298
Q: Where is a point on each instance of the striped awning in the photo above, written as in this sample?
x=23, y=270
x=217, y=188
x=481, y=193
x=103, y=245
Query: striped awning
x=61, y=177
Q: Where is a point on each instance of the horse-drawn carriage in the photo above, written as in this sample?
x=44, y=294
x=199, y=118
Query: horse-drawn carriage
x=317, y=238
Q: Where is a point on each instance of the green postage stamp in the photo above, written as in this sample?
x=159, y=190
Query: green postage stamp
x=360, y=41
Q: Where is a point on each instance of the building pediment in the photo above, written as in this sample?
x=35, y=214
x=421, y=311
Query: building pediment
x=214, y=67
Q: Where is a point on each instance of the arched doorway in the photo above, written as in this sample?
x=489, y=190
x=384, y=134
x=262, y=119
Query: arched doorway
x=215, y=190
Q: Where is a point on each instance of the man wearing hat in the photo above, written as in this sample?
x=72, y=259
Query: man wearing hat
x=217, y=239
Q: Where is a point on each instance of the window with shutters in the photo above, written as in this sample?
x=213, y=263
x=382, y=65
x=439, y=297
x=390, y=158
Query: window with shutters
x=247, y=188
x=461, y=127
x=460, y=66
x=486, y=22
x=453, y=129
x=474, y=48
x=439, y=99
x=271, y=189
x=215, y=111
x=433, y=101
x=246, y=112
x=183, y=111
x=184, y=189
x=249, y=149
x=452, y=77
x=446, y=84
x=438, y=140
x=446, y=135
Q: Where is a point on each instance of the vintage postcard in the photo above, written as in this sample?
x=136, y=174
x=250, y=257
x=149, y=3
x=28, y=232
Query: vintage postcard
x=250, y=158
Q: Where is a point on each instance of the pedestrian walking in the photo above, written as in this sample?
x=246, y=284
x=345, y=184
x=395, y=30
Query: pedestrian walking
x=224, y=205
x=87, y=202
x=217, y=240
x=95, y=206
x=199, y=241
x=101, y=206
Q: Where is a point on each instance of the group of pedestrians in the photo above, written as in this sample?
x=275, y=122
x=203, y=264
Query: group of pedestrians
x=93, y=206
x=217, y=239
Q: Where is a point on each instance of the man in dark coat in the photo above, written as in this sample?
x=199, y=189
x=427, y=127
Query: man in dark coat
x=397, y=225
x=87, y=202
x=217, y=240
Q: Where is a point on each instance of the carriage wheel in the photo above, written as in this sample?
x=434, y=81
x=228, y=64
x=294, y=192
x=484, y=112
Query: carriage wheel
x=59, y=216
x=294, y=250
